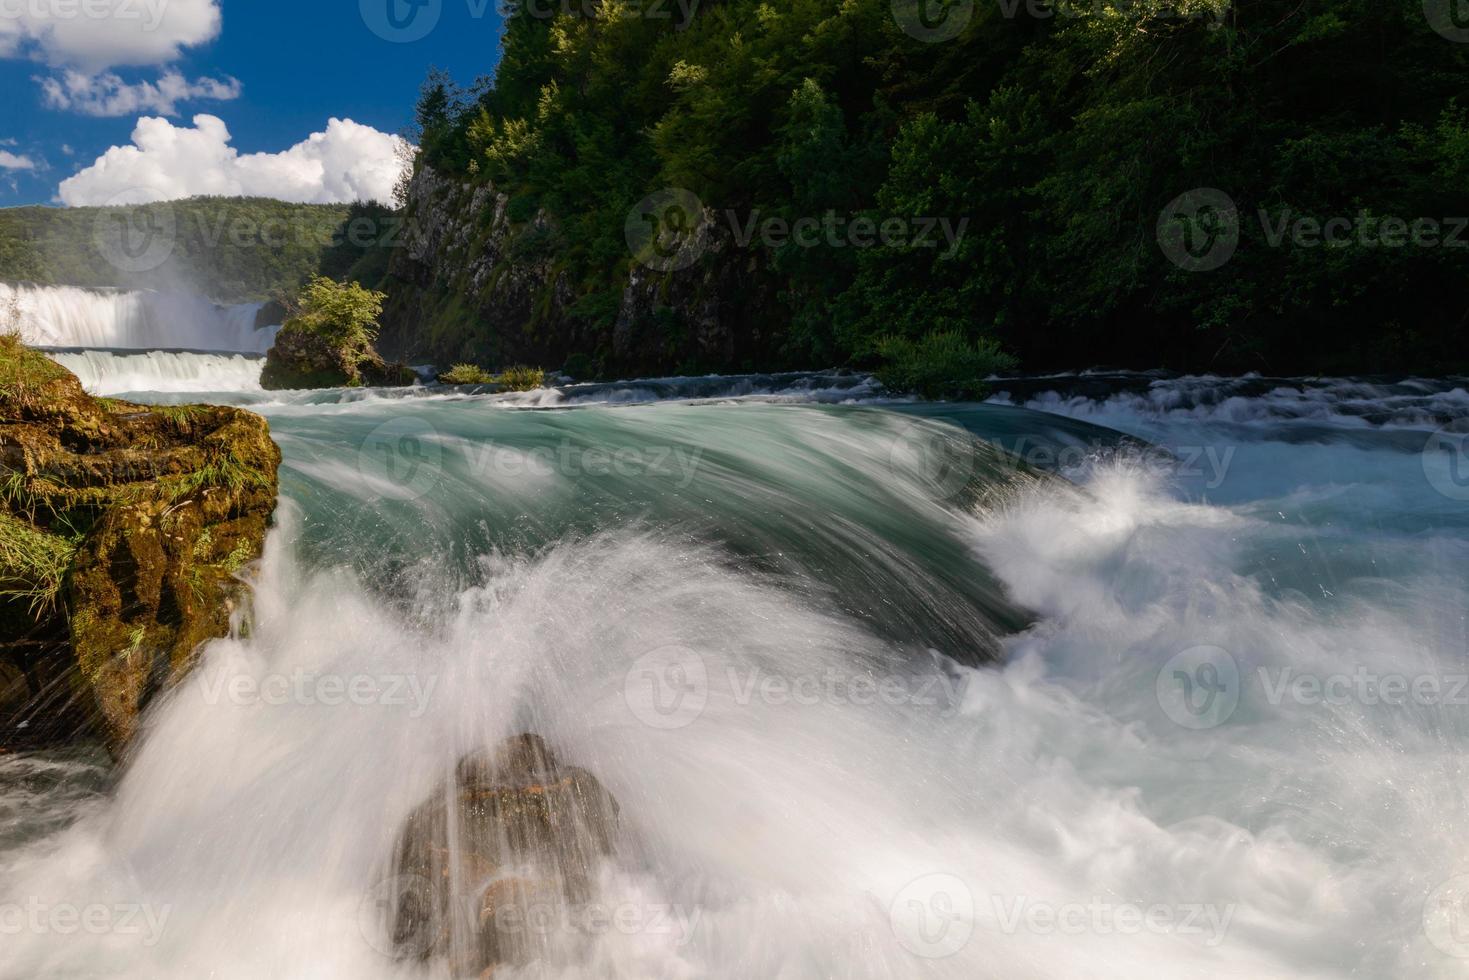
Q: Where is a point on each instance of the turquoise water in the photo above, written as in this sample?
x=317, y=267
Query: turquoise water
x=876, y=698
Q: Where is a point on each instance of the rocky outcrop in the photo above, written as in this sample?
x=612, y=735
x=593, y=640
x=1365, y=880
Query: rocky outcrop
x=487, y=869
x=302, y=358
x=475, y=280
x=123, y=532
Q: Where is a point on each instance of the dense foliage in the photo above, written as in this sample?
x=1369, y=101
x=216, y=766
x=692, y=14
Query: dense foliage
x=328, y=340
x=230, y=249
x=343, y=314
x=1060, y=132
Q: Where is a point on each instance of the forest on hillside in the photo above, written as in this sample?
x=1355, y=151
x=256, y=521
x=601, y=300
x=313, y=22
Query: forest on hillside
x=232, y=250
x=1195, y=184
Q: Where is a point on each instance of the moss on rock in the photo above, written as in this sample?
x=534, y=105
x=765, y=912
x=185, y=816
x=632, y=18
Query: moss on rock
x=147, y=513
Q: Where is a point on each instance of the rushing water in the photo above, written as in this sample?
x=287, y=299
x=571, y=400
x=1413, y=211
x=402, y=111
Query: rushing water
x=156, y=372
x=876, y=700
x=67, y=316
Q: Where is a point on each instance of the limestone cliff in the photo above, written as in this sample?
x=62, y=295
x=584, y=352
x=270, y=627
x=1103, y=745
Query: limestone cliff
x=471, y=280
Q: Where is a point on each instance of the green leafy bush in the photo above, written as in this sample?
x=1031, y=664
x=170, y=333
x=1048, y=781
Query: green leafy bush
x=941, y=365
x=345, y=314
x=521, y=379
x=466, y=374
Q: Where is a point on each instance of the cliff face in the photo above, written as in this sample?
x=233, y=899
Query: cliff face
x=472, y=281
x=122, y=532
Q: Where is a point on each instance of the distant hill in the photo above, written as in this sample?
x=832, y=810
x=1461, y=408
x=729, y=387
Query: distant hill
x=230, y=249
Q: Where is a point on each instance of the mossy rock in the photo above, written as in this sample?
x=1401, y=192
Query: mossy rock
x=122, y=530
x=304, y=359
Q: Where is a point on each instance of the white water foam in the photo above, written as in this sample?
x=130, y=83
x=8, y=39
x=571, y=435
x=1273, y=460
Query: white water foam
x=1410, y=403
x=809, y=840
x=67, y=316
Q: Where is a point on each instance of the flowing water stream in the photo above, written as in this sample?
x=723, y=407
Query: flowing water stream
x=875, y=699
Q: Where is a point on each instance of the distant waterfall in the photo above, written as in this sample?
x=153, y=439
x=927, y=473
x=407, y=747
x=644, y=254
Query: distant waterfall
x=67, y=316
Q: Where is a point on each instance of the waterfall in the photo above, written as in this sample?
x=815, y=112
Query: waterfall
x=67, y=316
x=115, y=372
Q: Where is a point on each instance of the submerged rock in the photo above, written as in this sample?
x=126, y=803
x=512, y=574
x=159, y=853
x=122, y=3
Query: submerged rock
x=122, y=530
x=491, y=870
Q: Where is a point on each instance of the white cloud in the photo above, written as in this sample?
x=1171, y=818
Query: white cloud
x=10, y=161
x=92, y=35
x=109, y=95
x=347, y=162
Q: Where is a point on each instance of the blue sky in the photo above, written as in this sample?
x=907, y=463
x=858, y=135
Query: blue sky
x=297, y=65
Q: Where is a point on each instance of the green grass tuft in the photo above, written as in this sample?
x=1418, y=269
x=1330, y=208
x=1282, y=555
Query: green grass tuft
x=466, y=374
x=33, y=563
x=521, y=379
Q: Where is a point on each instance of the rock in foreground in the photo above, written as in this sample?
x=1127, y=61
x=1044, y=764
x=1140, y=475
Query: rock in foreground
x=489, y=871
x=122, y=530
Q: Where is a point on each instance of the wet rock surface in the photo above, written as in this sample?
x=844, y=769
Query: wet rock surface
x=488, y=871
x=123, y=532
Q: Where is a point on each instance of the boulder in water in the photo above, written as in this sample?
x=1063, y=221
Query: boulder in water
x=302, y=359
x=328, y=343
x=488, y=870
